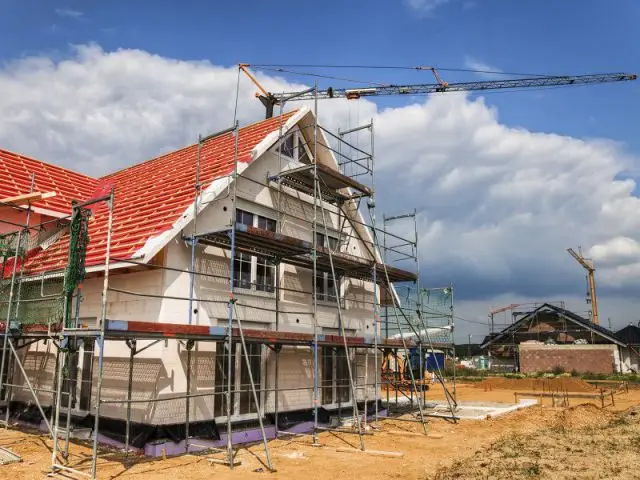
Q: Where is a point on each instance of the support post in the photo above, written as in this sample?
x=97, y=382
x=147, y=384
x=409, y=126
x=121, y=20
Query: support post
x=100, y=342
x=314, y=254
x=132, y=344
x=231, y=302
x=189, y=347
x=259, y=405
x=277, y=347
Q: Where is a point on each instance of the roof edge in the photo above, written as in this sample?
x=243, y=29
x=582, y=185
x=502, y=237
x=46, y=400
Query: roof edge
x=560, y=311
x=154, y=244
x=75, y=172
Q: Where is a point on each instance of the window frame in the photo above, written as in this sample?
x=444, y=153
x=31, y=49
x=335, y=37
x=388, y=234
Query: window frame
x=334, y=375
x=242, y=396
x=255, y=261
x=325, y=294
x=298, y=142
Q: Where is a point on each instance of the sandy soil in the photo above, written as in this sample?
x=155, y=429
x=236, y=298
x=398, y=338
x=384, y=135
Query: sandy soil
x=582, y=442
x=459, y=451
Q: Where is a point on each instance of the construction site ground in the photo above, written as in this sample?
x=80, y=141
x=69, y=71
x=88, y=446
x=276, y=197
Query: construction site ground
x=579, y=441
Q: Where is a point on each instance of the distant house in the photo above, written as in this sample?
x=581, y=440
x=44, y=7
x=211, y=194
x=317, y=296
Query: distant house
x=551, y=337
x=631, y=336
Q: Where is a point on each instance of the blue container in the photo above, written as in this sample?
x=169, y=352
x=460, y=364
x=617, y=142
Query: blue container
x=434, y=360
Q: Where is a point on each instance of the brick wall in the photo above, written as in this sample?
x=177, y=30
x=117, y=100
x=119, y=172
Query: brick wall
x=582, y=358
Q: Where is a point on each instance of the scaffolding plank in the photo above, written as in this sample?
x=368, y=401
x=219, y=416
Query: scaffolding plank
x=7, y=456
x=27, y=197
x=142, y=329
x=293, y=251
x=331, y=182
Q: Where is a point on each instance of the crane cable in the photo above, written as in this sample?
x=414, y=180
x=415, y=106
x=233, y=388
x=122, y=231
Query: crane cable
x=400, y=67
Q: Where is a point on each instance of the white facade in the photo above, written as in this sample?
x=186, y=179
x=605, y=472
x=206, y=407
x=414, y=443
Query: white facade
x=158, y=295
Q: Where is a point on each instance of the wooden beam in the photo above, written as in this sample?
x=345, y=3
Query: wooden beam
x=219, y=461
x=414, y=434
x=377, y=453
x=27, y=197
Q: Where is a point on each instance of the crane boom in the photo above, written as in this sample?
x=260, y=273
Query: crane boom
x=504, y=309
x=427, y=88
x=590, y=268
x=269, y=100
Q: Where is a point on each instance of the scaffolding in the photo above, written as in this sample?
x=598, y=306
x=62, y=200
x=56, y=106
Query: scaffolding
x=332, y=198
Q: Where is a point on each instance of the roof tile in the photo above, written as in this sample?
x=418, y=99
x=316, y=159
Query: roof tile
x=149, y=197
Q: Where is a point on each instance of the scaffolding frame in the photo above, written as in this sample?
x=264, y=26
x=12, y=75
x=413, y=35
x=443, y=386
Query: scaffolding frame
x=328, y=198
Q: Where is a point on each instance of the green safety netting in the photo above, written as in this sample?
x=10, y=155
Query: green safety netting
x=432, y=308
x=45, y=298
x=75, y=272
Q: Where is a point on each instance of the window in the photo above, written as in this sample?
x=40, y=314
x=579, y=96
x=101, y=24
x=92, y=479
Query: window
x=88, y=348
x=220, y=379
x=254, y=271
x=335, y=376
x=247, y=401
x=69, y=380
x=294, y=146
x=328, y=242
x=325, y=286
x=242, y=401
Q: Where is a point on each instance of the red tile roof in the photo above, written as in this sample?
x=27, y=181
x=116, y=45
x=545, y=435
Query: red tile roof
x=16, y=170
x=149, y=197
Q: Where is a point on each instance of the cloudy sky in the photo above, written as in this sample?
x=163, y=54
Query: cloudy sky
x=503, y=183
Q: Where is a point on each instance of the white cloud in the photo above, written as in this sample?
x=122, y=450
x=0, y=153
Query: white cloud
x=425, y=7
x=483, y=69
x=499, y=205
x=68, y=12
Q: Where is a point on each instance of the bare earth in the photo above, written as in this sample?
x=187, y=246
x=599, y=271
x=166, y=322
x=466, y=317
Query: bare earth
x=582, y=441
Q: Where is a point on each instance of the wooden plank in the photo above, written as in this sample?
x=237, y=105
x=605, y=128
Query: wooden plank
x=219, y=461
x=7, y=456
x=376, y=453
x=549, y=395
x=414, y=434
x=28, y=197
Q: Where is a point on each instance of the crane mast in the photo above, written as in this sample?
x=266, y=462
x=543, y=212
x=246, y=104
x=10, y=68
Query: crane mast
x=590, y=268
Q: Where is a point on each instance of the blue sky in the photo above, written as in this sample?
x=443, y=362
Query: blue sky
x=572, y=36
x=498, y=238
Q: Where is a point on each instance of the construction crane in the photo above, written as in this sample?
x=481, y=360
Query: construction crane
x=500, y=310
x=588, y=265
x=269, y=100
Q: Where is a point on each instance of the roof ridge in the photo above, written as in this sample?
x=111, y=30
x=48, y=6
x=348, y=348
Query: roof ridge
x=54, y=165
x=222, y=132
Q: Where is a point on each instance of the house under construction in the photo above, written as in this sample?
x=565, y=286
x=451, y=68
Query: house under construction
x=231, y=291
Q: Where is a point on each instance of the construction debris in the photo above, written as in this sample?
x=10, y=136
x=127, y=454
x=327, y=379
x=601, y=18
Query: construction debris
x=7, y=456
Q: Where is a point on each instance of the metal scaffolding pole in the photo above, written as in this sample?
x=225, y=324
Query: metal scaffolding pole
x=451, y=329
x=314, y=273
x=230, y=307
x=100, y=342
x=277, y=347
x=23, y=232
x=396, y=309
x=259, y=405
x=132, y=344
x=354, y=392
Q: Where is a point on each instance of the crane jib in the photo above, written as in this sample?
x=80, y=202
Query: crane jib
x=423, y=89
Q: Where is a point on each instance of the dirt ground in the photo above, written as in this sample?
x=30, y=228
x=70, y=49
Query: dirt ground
x=531, y=442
